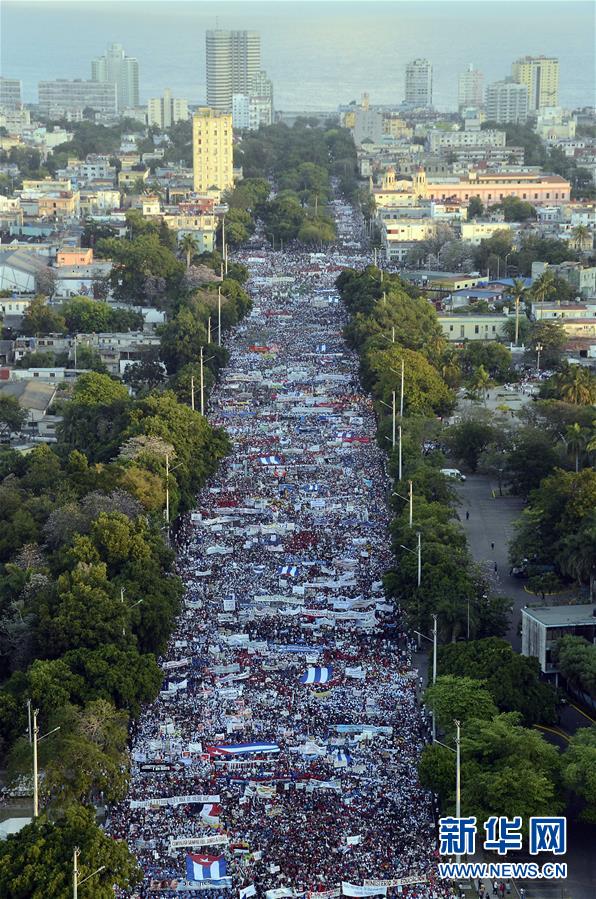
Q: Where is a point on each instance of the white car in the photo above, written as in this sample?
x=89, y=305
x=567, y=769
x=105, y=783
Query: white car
x=454, y=473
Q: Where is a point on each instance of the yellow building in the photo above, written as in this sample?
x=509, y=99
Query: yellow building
x=492, y=187
x=473, y=232
x=540, y=74
x=212, y=154
x=396, y=127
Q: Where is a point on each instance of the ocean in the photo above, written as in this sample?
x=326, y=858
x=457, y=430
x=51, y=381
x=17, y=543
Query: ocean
x=318, y=54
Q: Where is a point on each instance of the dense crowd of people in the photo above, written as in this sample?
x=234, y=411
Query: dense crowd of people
x=281, y=756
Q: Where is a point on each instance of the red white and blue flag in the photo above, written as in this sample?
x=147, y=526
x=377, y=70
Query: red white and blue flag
x=205, y=867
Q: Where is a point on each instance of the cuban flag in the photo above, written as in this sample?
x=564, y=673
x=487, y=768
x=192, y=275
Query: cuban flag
x=270, y=460
x=316, y=676
x=344, y=435
x=210, y=813
x=288, y=570
x=342, y=758
x=223, y=749
x=205, y=867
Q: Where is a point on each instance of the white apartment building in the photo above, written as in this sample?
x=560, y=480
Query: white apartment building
x=233, y=62
x=439, y=140
x=507, y=102
x=64, y=96
x=163, y=112
x=419, y=84
x=470, y=88
x=123, y=71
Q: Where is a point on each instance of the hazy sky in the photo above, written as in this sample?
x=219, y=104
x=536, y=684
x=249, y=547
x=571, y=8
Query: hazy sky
x=317, y=53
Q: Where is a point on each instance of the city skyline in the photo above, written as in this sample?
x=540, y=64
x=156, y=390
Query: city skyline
x=290, y=46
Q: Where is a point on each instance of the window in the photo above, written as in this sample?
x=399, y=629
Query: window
x=462, y=330
x=451, y=327
x=476, y=329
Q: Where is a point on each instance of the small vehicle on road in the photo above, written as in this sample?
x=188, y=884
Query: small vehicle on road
x=454, y=473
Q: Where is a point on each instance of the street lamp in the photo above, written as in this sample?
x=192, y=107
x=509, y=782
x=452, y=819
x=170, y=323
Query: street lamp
x=457, y=752
x=417, y=552
x=76, y=883
x=168, y=470
x=539, y=349
x=37, y=739
x=432, y=640
x=409, y=499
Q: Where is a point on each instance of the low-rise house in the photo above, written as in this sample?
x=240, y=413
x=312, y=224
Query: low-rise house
x=21, y=271
x=543, y=627
x=459, y=327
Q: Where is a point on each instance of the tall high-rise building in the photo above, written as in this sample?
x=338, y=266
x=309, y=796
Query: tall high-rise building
x=167, y=110
x=233, y=61
x=419, y=83
x=507, y=102
x=121, y=70
x=470, y=91
x=212, y=150
x=10, y=93
x=540, y=74
x=60, y=97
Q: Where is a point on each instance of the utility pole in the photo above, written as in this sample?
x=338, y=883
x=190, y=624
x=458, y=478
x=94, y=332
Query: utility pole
x=167, y=493
x=393, y=334
x=457, y=773
x=516, y=320
x=35, y=778
x=434, y=671
x=539, y=349
x=411, y=498
x=37, y=739
x=400, y=472
x=202, y=384
x=209, y=330
x=393, y=422
x=401, y=395
x=192, y=393
x=419, y=559
x=219, y=316
x=76, y=883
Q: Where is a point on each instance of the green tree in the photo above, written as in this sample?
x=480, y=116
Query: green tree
x=506, y=770
x=475, y=208
x=12, y=417
x=41, y=319
x=93, y=389
x=86, y=316
x=579, y=770
x=188, y=246
x=577, y=663
x=470, y=437
x=37, y=862
x=425, y=392
x=459, y=698
x=512, y=680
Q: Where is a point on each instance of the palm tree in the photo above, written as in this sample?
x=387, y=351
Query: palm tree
x=517, y=290
x=577, y=385
x=591, y=444
x=481, y=381
x=582, y=237
x=542, y=288
x=188, y=245
x=576, y=439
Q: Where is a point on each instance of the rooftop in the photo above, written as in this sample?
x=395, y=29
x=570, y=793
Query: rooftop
x=561, y=616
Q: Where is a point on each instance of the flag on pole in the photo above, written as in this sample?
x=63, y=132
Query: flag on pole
x=205, y=867
x=288, y=570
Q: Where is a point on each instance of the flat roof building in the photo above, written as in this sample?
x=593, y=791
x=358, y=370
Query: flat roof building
x=543, y=627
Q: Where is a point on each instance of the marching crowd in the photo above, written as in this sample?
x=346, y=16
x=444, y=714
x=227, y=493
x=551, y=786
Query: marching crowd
x=281, y=756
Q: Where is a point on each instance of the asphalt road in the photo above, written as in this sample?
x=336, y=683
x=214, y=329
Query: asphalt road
x=491, y=523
